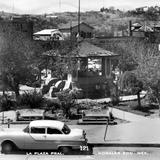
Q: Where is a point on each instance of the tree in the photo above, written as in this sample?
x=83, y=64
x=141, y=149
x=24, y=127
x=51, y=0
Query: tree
x=60, y=68
x=152, y=13
x=17, y=56
x=130, y=49
x=60, y=60
x=148, y=70
x=142, y=57
x=125, y=48
x=130, y=82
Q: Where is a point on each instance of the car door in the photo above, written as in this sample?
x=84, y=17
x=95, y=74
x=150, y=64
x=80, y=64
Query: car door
x=36, y=138
x=55, y=137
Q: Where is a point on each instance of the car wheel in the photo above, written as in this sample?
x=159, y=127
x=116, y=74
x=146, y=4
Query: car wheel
x=65, y=150
x=7, y=147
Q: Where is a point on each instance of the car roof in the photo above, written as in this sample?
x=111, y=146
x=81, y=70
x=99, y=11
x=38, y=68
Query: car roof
x=47, y=123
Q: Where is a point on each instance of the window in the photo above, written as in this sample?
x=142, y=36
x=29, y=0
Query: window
x=94, y=66
x=53, y=131
x=89, y=35
x=66, y=129
x=26, y=130
x=35, y=130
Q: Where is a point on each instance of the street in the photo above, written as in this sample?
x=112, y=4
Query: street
x=99, y=153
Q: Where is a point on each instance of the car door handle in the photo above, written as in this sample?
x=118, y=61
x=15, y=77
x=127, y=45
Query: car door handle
x=44, y=136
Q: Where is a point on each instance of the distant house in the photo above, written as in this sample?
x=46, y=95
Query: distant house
x=86, y=31
x=157, y=27
x=150, y=30
x=136, y=26
x=48, y=34
x=141, y=9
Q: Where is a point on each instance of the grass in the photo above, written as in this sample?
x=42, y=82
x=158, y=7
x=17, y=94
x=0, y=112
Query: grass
x=132, y=106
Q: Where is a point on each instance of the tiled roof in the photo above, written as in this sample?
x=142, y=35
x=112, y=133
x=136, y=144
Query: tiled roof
x=149, y=24
x=46, y=32
x=146, y=29
x=87, y=49
x=136, y=25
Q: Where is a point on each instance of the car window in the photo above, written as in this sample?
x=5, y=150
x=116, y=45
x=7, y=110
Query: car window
x=26, y=130
x=53, y=131
x=35, y=130
x=66, y=129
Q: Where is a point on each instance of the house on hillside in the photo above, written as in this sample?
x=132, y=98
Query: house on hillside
x=150, y=31
x=141, y=9
x=86, y=31
x=157, y=27
x=48, y=35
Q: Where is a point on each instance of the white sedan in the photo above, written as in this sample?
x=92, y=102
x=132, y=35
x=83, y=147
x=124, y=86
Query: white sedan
x=43, y=135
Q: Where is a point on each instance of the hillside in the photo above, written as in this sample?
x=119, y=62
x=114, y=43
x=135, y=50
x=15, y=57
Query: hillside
x=106, y=21
x=102, y=22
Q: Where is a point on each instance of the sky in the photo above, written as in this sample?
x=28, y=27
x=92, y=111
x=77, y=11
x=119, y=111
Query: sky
x=50, y=6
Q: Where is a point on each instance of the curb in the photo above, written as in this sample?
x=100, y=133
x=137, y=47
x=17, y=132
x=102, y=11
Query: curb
x=124, y=145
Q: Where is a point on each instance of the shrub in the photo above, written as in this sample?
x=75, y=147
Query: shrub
x=6, y=103
x=36, y=84
x=32, y=100
x=112, y=92
x=45, y=89
x=51, y=104
x=67, y=100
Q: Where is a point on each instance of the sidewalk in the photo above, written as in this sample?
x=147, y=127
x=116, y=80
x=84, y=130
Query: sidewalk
x=107, y=100
x=131, y=117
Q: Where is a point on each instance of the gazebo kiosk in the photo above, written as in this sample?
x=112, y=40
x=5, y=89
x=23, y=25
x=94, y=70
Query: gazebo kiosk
x=93, y=70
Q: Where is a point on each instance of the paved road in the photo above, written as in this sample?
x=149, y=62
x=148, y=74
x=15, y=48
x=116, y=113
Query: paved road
x=142, y=132
x=111, y=153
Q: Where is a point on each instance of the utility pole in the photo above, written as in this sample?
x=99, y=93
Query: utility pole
x=79, y=17
x=59, y=6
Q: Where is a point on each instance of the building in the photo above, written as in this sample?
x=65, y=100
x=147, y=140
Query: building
x=86, y=31
x=19, y=24
x=48, y=35
x=150, y=31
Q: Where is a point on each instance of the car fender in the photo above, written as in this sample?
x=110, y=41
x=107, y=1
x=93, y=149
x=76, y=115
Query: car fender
x=10, y=141
x=17, y=143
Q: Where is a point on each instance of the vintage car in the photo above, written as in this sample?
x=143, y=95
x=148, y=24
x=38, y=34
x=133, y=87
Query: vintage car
x=43, y=135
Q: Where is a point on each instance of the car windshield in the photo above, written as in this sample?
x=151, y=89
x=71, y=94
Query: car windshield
x=66, y=129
